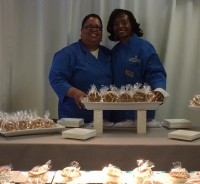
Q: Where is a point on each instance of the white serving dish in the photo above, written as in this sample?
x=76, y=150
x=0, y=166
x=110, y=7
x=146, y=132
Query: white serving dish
x=120, y=105
x=187, y=135
x=57, y=128
x=79, y=133
x=177, y=123
x=71, y=122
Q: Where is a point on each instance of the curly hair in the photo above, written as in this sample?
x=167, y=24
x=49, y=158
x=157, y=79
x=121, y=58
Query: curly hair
x=134, y=24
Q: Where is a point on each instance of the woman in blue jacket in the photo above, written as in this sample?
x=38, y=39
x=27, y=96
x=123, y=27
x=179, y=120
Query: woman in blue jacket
x=134, y=60
x=78, y=66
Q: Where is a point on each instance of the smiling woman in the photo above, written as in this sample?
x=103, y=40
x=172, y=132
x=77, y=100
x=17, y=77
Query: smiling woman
x=78, y=66
x=91, y=32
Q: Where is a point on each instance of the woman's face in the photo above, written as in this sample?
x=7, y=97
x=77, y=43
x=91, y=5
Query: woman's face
x=122, y=28
x=91, y=33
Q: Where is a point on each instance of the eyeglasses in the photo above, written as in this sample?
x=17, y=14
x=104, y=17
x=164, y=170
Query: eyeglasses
x=90, y=27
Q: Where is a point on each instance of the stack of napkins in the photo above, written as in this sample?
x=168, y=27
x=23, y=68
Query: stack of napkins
x=177, y=123
x=79, y=133
x=71, y=122
x=187, y=135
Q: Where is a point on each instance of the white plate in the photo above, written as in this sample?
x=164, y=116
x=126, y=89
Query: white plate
x=120, y=105
x=57, y=128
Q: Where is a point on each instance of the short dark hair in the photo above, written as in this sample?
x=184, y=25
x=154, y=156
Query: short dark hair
x=135, y=25
x=91, y=15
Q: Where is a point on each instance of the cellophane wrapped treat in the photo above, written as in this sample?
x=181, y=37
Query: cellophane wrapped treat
x=23, y=120
x=178, y=174
x=195, y=101
x=38, y=174
x=72, y=171
x=125, y=94
x=109, y=94
x=40, y=170
x=94, y=95
x=5, y=172
x=113, y=175
x=143, y=171
x=150, y=95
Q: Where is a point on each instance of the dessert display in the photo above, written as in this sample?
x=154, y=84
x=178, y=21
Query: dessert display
x=72, y=171
x=24, y=120
x=178, y=174
x=195, y=100
x=128, y=93
x=143, y=171
x=110, y=174
x=40, y=170
x=113, y=174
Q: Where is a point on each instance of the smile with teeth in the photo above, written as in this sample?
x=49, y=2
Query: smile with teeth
x=93, y=35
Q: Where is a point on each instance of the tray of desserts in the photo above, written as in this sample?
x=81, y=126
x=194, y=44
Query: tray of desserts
x=195, y=102
x=56, y=128
x=193, y=107
x=120, y=105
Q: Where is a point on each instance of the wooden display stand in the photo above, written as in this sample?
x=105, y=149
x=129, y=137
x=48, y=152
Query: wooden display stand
x=141, y=121
x=140, y=107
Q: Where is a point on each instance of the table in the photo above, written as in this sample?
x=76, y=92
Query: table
x=120, y=147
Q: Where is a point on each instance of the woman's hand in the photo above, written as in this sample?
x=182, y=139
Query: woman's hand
x=78, y=95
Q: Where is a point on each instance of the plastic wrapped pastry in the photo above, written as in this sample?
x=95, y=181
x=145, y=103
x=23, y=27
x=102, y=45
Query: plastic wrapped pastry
x=40, y=170
x=113, y=174
x=143, y=171
x=178, y=174
x=72, y=171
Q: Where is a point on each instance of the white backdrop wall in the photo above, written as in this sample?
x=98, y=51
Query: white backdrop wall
x=31, y=31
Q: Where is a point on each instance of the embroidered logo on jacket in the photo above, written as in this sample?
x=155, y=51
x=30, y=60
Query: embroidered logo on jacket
x=134, y=60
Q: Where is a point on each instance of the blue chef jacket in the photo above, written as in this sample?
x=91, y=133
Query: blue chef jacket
x=136, y=62
x=75, y=66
